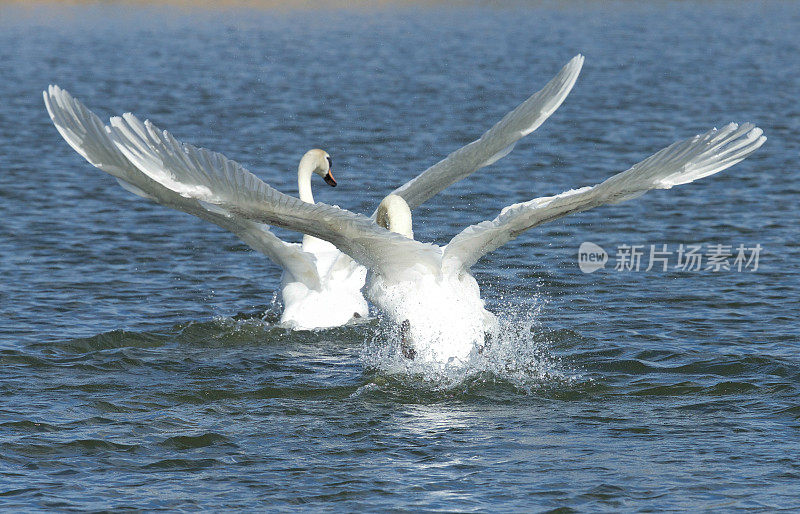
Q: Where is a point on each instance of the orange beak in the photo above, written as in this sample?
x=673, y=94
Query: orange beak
x=329, y=179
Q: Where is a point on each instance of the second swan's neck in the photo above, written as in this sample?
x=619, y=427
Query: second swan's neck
x=304, y=182
x=304, y=172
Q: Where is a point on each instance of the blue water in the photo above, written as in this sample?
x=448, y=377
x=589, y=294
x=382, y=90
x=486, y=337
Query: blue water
x=140, y=364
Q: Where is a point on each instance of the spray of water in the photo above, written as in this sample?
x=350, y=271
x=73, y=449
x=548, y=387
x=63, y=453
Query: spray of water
x=516, y=352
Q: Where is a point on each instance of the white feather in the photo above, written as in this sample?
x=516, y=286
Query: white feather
x=679, y=163
x=88, y=136
x=495, y=143
x=213, y=178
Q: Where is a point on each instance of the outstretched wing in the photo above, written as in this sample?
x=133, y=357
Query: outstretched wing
x=496, y=143
x=213, y=179
x=679, y=163
x=88, y=136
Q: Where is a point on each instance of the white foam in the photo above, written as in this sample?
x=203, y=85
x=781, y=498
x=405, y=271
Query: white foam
x=518, y=353
x=446, y=317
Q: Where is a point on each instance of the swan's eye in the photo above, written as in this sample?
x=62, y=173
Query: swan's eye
x=330, y=162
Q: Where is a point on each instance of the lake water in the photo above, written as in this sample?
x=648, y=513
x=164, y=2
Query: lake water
x=140, y=364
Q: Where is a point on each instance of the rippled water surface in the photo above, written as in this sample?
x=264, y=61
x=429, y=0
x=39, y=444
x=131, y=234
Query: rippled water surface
x=140, y=360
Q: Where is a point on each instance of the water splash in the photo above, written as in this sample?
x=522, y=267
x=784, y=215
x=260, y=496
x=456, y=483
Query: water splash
x=273, y=312
x=517, y=352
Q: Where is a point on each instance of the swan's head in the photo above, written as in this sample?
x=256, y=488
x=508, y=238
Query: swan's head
x=319, y=162
x=395, y=215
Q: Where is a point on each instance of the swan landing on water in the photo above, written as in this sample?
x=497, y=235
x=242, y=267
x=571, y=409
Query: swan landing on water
x=320, y=286
x=425, y=287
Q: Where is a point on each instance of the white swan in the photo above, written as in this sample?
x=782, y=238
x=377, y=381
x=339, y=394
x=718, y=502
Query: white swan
x=426, y=289
x=320, y=286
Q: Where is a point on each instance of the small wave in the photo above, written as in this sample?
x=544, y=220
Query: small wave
x=182, y=464
x=68, y=448
x=29, y=426
x=187, y=442
x=114, y=408
x=231, y=331
x=115, y=339
x=17, y=492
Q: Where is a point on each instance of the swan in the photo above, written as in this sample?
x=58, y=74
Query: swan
x=427, y=290
x=320, y=285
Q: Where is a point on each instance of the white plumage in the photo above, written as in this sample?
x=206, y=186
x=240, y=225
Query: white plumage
x=425, y=285
x=320, y=286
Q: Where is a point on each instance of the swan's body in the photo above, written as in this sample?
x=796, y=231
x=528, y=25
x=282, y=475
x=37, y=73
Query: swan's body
x=443, y=307
x=424, y=288
x=338, y=299
x=320, y=285
x=445, y=314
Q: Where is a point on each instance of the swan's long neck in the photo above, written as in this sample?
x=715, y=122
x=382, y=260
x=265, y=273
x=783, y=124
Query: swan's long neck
x=395, y=215
x=304, y=172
